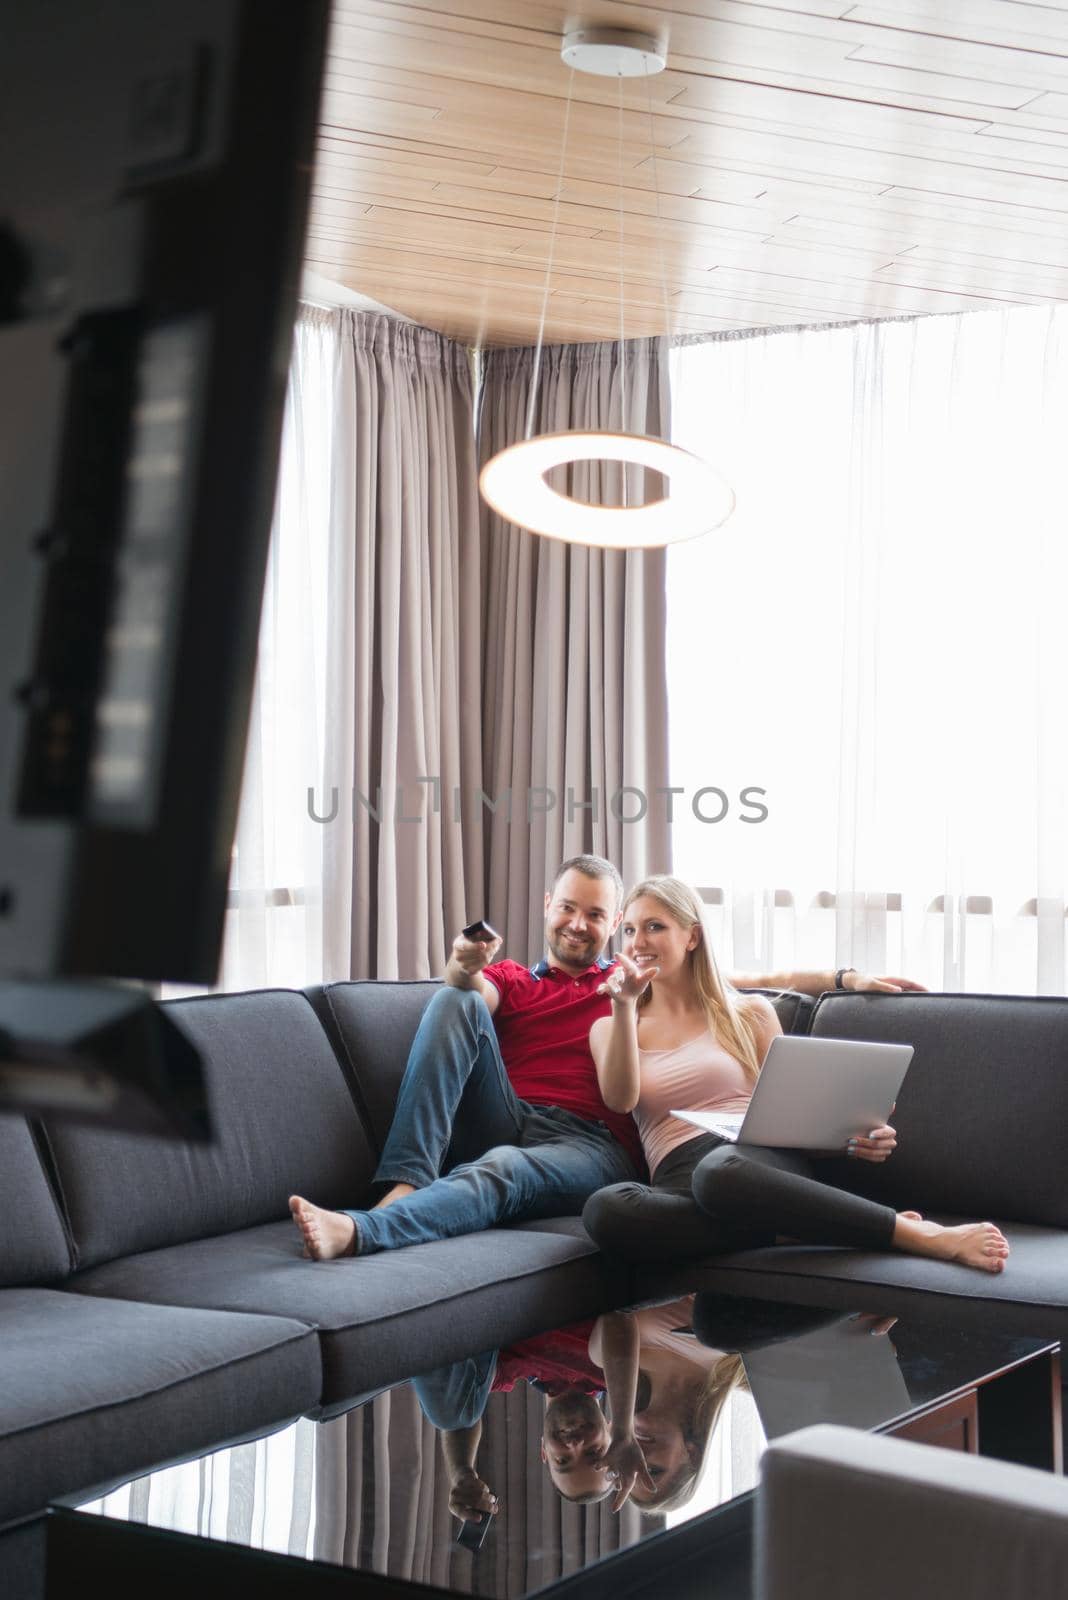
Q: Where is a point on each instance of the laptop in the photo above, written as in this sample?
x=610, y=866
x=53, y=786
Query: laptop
x=843, y=1372
x=814, y=1094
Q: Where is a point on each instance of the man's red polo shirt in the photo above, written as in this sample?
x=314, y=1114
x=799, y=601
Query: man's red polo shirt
x=543, y=1026
x=557, y=1361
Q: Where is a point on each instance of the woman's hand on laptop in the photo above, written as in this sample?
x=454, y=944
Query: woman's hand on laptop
x=877, y=1145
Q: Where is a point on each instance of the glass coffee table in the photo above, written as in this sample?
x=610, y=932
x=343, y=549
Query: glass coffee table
x=370, y=1502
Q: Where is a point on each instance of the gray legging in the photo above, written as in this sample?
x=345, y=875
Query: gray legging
x=708, y=1196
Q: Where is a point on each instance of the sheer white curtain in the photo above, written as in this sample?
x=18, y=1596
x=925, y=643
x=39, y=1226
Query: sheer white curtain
x=349, y=859
x=274, y=925
x=876, y=640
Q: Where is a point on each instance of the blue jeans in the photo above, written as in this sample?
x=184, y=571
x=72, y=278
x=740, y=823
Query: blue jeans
x=455, y=1396
x=477, y=1154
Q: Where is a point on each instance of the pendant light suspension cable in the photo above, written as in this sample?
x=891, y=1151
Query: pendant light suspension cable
x=622, y=276
x=515, y=481
x=661, y=260
x=549, y=262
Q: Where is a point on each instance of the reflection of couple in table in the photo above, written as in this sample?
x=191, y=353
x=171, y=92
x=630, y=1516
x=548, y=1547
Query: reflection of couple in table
x=632, y=1399
x=576, y=1437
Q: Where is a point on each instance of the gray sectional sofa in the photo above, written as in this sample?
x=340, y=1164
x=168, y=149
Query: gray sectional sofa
x=154, y=1301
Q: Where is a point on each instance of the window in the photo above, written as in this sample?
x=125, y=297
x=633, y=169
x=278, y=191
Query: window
x=875, y=638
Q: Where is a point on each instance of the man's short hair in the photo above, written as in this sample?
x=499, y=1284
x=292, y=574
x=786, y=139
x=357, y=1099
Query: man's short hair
x=592, y=867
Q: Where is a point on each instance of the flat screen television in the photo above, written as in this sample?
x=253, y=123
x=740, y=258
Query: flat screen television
x=155, y=164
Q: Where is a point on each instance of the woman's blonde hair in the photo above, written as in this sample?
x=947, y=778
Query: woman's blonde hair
x=727, y=1375
x=725, y=1009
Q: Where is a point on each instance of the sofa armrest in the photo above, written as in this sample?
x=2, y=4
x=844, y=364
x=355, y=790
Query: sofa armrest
x=842, y=1513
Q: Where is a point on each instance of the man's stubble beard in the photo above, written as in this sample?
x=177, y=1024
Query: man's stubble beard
x=572, y=957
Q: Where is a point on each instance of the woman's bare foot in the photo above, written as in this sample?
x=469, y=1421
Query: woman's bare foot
x=911, y=1216
x=972, y=1244
x=398, y=1192
x=327, y=1234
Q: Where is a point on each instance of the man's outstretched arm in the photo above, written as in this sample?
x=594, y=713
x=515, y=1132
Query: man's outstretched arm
x=814, y=983
x=463, y=970
x=470, y=1497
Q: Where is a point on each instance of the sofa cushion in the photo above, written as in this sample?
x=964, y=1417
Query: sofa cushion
x=1029, y=1297
x=98, y=1391
x=794, y=1010
x=33, y=1241
x=982, y=1116
x=372, y=1024
x=284, y=1122
x=383, y=1317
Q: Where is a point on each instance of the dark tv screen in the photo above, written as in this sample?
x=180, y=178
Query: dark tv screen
x=155, y=162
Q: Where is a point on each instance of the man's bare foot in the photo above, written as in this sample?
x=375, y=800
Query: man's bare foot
x=398, y=1192
x=327, y=1234
x=972, y=1244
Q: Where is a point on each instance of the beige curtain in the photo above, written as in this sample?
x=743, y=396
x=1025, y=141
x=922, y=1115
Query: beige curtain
x=417, y=669
x=381, y=1495
x=574, y=695
x=402, y=735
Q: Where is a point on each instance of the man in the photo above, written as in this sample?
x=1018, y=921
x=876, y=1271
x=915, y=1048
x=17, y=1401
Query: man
x=500, y=1071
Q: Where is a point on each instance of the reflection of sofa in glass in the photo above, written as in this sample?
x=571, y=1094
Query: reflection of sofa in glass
x=841, y=1513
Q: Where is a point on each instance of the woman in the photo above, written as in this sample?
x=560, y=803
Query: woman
x=682, y=1389
x=678, y=1037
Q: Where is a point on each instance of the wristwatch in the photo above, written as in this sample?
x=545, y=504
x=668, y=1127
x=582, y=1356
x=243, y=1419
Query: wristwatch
x=840, y=974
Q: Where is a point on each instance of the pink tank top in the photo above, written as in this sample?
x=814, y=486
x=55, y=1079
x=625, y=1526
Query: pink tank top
x=699, y=1075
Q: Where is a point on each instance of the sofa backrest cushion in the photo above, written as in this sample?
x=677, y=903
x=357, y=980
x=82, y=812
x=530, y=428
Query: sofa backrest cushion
x=33, y=1240
x=284, y=1122
x=372, y=1024
x=982, y=1116
x=794, y=1011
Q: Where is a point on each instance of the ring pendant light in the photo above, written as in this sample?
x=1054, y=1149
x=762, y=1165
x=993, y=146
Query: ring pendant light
x=514, y=481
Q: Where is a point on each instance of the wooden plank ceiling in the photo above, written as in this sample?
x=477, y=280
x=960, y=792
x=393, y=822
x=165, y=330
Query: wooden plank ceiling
x=815, y=162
